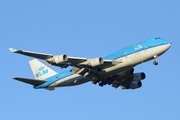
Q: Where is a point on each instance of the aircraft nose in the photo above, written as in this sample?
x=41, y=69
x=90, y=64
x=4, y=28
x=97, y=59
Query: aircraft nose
x=167, y=44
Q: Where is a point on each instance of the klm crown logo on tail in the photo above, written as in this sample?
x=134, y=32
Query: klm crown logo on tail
x=41, y=71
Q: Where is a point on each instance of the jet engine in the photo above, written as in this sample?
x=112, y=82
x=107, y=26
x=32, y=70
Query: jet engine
x=135, y=84
x=139, y=76
x=96, y=62
x=60, y=59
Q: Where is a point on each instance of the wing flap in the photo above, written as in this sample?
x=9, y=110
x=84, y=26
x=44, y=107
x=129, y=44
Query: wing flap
x=34, y=82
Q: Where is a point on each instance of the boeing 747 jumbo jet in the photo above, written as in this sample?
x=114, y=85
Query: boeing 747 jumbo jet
x=116, y=69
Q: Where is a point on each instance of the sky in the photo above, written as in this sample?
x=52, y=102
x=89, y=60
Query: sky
x=88, y=28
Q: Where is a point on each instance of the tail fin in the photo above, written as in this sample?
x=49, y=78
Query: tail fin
x=40, y=70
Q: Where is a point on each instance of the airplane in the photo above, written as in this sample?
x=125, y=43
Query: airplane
x=116, y=69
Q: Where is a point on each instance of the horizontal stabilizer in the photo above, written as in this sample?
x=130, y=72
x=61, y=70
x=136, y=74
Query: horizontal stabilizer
x=34, y=82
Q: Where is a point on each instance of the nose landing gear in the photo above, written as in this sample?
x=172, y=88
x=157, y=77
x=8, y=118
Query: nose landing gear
x=155, y=63
x=155, y=60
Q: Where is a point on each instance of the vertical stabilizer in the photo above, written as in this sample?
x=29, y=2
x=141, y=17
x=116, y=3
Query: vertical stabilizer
x=40, y=70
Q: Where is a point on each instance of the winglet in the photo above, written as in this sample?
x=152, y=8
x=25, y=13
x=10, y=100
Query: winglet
x=13, y=50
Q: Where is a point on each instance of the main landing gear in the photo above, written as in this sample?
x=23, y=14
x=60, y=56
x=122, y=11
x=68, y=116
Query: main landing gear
x=155, y=60
x=115, y=84
x=95, y=80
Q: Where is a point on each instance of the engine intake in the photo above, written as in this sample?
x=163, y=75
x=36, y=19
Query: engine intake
x=135, y=84
x=139, y=76
x=96, y=62
x=60, y=59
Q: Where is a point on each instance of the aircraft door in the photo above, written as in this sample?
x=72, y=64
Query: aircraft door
x=126, y=51
x=127, y=58
x=145, y=48
x=125, y=54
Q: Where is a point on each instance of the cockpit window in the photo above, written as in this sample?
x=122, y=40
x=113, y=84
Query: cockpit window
x=157, y=38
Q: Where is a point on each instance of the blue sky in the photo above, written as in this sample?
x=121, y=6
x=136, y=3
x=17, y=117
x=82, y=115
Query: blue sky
x=91, y=28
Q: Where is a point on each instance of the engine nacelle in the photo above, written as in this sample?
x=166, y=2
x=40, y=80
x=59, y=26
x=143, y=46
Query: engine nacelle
x=60, y=59
x=139, y=76
x=96, y=62
x=135, y=84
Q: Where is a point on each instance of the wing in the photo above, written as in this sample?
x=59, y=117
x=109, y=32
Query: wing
x=61, y=60
x=32, y=54
x=64, y=61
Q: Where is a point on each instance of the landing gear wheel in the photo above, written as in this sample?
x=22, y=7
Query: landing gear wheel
x=101, y=84
x=115, y=85
x=155, y=60
x=155, y=63
x=94, y=82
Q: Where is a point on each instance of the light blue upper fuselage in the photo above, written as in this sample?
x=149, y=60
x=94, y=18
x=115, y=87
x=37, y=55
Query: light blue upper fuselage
x=146, y=44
